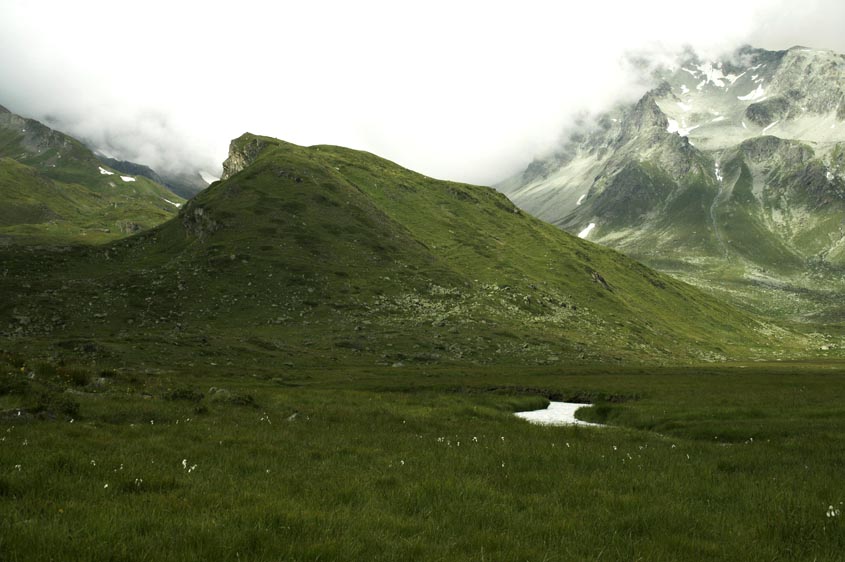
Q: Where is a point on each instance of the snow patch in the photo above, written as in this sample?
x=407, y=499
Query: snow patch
x=770, y=126
x=558, y=413
x=715, y=76
x=682, y=130
x=104, y=172
x=684, y=107
x=744, y=126
x=701, y=85
x=719, y=173
x=692, y=73
x=733, y=78
x=753, y=96
x=829, y=175
x=177, y=205
x=684, y=89
x=127, y=178
x=719, y=118
x=586, y=232
x=581, y=199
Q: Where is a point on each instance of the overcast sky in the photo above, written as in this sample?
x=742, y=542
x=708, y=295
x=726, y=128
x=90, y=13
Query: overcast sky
x=459, y=90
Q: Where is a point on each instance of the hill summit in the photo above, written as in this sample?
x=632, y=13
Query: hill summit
x=321, y=253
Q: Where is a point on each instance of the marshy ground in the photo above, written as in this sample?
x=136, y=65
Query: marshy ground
x=733, y=463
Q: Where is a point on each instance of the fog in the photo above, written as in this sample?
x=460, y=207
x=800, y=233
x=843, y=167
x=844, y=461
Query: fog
x=469, y=91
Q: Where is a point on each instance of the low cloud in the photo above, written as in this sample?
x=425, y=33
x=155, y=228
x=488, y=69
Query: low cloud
x=468, y=91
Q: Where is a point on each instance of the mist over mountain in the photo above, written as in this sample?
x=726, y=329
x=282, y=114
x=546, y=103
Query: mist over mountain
x=53, y=189
x=727, y=171
x=497, y=88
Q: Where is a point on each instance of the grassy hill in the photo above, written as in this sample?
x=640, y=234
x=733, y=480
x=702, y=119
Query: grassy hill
x=227, y=385
x=325, y=254
x=54, y=190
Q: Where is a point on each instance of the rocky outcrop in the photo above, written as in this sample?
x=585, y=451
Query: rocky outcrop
x=242, y=152
x=768, y=148
x=645, y=122
x=197, y=221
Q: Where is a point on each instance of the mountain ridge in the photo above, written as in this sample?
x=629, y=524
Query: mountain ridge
x=329, y=254
x=723, y=172
x=54, y=189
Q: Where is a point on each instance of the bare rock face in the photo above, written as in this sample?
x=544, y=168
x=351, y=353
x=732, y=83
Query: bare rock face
x=242, y=152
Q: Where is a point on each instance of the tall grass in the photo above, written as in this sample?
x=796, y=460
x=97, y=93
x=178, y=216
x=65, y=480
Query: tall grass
x=718, y=466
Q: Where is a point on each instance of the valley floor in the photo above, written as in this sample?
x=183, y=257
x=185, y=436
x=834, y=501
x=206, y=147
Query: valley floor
x=740, y=462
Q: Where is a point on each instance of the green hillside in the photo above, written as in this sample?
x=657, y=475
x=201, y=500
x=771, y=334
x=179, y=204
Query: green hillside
x=323, y=254
x=54, y=190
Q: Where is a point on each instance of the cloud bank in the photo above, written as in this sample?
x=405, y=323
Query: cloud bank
x=460, y=90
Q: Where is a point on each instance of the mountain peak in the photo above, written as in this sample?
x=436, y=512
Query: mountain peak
x=748, y=170
x=243, y=151
x=645, y=118
x=4, y=110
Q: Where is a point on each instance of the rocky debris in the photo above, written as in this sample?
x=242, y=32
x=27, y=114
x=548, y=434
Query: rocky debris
x=128, y=227
x=221, y=395
x=597, y=278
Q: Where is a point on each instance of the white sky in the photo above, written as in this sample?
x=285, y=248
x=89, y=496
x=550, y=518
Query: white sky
x=460, y=90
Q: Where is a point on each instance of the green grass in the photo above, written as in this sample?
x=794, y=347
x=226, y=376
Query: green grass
x=324, y=255
x=52, y=191
x=720, y=464
x=319, y=359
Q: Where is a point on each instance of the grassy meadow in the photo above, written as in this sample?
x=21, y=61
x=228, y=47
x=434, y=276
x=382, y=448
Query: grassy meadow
x=742, y=462
x=319, y=358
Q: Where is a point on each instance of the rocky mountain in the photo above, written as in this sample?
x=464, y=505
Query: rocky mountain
x=321, y=254
x=54, y=189
x=727, y=173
